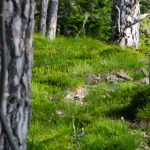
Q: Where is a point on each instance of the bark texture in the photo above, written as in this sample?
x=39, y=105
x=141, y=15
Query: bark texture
x=19, y=23
x=43, y=17
x=52, y=19
x=125, y=22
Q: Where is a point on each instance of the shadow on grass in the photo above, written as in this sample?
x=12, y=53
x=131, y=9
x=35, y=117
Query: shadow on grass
x=32, y=145
x=138, y=104
x=108, y=52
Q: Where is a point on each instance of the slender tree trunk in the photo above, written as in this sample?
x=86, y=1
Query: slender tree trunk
x=52, y=19
x=43, y=17
x=125, y=24
x=19, y=23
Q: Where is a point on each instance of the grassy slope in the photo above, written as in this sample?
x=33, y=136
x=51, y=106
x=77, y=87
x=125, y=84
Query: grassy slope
x=65, y=64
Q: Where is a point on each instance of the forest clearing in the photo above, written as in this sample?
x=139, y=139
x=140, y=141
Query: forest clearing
x=71, y=65
x=75, y=75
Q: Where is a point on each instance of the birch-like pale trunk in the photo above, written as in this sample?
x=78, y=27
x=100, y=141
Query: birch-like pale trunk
x=19, y=24
x=52, y=18
x=43, y=17
x=125, y=22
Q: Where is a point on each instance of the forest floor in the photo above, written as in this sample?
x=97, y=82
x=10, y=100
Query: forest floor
x=87, y=95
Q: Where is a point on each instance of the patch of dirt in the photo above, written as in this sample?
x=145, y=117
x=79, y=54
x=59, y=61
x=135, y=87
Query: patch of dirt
x=142, y=124
x=77, y=95
x=94, y=79
x=60, y=113
x=114, y=77
x=119, y=76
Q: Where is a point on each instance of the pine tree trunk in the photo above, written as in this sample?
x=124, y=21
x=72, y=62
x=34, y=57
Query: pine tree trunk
x=19, y=23
x=43, y=17
x=125, y=27
x=52, y=19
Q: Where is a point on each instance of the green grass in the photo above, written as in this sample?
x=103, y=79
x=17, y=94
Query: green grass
x=65, y=64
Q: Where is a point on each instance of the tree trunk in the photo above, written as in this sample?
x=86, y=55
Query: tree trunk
x=52, y=19
x=125, y=24
x=19, y=23
x=43, y=17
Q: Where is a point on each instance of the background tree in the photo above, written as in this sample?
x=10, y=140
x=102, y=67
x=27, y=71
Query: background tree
x=125, y=24
x=72, y=14
x=43, y=17
x=17, y=32
x=52, y=18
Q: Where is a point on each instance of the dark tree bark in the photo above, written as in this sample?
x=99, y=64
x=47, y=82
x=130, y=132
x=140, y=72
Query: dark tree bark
x=19, y=23
x=52, y=18
x=43, y=17
x=125, y=22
